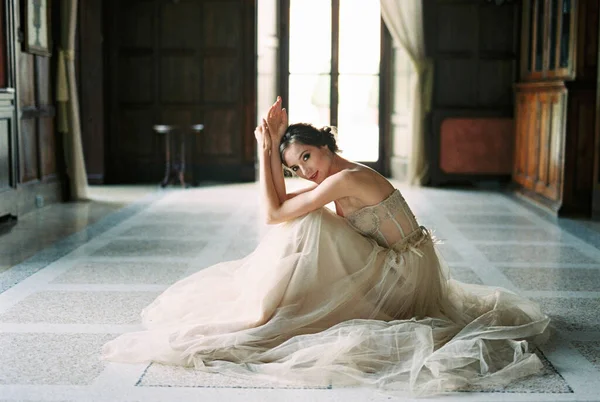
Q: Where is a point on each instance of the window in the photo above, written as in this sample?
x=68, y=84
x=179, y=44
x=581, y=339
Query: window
x=334, y=67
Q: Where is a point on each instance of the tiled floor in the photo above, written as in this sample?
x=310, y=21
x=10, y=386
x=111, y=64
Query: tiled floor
x=73, y=276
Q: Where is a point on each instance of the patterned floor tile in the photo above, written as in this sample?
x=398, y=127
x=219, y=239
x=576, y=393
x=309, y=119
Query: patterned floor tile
x=464, y=274
x=124, y=272
x=535, y=254
x=511, y=234
x=158, y=375
x=185, y=231
x=50, y=359
x=80, y=308
x=151, y=248
x=488, y=219
x=590, y=350
x=573, y=279
x=572, y=314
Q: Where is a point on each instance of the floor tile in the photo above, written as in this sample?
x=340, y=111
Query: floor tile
x=80, y=308
x=535, y=254
x=486, y=219
x=511, y=234
x=158, y=375
x=591, y=351
x=183, y=231
x=572, y=279
x=464, y=274
x=120, y=272
x=44, y=359
x=151, y=248
x=572, y=314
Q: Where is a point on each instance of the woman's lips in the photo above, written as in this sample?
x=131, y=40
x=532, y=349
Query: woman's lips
x=314, y=176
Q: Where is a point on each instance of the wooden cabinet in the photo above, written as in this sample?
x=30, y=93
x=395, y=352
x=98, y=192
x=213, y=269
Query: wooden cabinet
x=548, y=27
x=555, y=104
x=540, y=139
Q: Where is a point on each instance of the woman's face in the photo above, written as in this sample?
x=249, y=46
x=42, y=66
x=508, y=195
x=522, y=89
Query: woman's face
x=308, y=162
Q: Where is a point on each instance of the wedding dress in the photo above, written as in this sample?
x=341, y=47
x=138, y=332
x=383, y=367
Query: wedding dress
x=326, y=300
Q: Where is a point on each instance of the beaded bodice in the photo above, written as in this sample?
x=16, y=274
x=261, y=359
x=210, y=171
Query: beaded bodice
x=388, y=222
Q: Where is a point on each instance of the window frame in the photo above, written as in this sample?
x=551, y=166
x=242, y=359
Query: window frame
x=382, y=165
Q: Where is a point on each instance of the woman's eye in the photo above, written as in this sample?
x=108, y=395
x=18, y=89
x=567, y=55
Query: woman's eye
x=306, y=157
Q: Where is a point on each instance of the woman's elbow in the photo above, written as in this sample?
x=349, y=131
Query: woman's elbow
x=271, y=219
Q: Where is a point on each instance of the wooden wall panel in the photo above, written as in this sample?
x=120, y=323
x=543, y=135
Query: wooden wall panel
x=179, y=79
x=579, y=159
x=28, y=151
x=42, y=82
x=4, y=46
x=495, y=80
x=91, y=67
x=193, y=64
x=48, y=151
x=587, y=46
x=5, y=159
x=136, y=79
x=218, y=123
x=474, y=46
x=137, y=19
x=453, y=37
x=180, y=24
x=221, y=79
x=456, y=87
x=26, y=80
x=222, y=27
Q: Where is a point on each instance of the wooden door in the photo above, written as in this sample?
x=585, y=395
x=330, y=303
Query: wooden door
x=181, y=63
x=8, y=142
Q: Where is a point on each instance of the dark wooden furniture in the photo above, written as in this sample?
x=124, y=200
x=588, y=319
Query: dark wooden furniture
x=175, y=150
x=475, y=48
x=177, y=63
x=555, y=145
x=31, y=157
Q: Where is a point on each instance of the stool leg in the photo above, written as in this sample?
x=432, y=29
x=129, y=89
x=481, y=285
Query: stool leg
x=182, y=168
x=167, y=177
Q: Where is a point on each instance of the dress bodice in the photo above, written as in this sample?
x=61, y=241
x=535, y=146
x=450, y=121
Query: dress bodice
x=388, y=222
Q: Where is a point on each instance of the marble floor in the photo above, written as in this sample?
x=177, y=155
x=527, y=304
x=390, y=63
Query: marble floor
x=73, y=276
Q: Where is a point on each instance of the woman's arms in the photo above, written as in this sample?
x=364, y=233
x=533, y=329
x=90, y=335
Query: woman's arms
x=334, y=187
x=277, y=122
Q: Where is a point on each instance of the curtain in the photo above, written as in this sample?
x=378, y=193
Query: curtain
x=404, y=20
x=68, y=103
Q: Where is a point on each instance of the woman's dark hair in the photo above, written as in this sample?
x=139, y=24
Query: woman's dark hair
x=308, y=134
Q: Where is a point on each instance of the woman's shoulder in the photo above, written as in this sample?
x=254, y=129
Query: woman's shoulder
x=369, y=185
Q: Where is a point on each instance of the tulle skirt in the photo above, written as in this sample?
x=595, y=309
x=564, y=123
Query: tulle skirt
x=317, y=303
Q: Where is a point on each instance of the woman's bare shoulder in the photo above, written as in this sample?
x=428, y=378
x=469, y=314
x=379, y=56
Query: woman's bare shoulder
x=371, y=186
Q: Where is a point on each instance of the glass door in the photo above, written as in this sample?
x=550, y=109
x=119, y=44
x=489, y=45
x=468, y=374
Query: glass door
x=334, y=71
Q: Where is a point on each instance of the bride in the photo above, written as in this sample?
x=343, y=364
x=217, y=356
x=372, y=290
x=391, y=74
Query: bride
x=356, y=297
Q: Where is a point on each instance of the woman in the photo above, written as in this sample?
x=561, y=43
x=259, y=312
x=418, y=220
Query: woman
x=359, y=296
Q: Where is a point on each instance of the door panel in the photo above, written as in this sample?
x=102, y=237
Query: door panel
x=181, y=63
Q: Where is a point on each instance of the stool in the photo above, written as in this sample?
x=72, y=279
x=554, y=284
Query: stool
x=173, y=169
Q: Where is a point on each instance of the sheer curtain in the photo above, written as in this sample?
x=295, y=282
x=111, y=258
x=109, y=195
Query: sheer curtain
x=404, y=20
x=68, y=103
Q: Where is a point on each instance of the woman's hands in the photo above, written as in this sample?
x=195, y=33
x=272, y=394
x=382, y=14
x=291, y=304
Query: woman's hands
x=277, y=120
x=263, y=137
x=273, y=127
